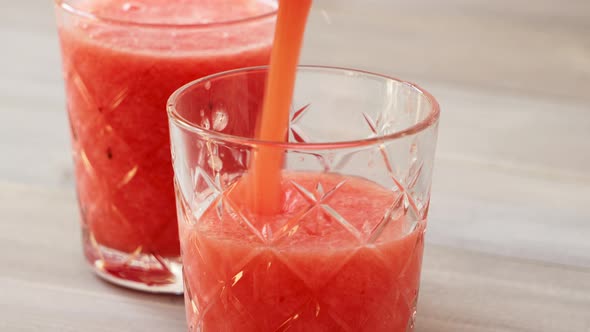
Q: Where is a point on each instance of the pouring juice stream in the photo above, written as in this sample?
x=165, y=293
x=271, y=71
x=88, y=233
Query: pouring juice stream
x=266, y=194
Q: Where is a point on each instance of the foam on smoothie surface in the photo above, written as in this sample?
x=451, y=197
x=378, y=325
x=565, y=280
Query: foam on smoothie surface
x=183, y=11
x=186, y=24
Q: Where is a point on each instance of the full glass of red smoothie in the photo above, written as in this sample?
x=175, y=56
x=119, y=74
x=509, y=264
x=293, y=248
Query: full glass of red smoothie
x=343, y=250
x=121, y=61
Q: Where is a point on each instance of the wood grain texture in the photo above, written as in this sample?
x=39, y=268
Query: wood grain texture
x=539, y=48
x=510, y=218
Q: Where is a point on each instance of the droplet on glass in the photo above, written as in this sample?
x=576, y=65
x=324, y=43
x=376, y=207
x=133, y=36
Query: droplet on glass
x=414, y=148
x=207, y=85
x=215, y=163
x=414, y=152
x=220, y=119
x=129, y=6
x=205, y=123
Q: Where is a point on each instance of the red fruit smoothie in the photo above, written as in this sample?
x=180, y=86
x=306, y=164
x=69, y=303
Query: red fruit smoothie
x=328, y=263
x=119, y=71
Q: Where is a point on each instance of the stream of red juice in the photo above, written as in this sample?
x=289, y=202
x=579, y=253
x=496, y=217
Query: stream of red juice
x=267, y=162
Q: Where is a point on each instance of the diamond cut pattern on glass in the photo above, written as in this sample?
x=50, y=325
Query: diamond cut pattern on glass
x=297, y=133
x=404, y=177
x=319, y=199
x=233, y=285
x=96, y=131
x=390, y=247
x=210, y=192
x=413, y=173
x=106, y=168
x=207, y=191
x=386, y=288
x=228, y=292
x=392, y=215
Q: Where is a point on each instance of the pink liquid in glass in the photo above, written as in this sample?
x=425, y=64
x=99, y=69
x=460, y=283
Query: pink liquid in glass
x=120, y=67
x=320, y=265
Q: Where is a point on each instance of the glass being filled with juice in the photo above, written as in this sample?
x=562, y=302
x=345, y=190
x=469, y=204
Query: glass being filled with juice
x=342, y=251
x=121, y=61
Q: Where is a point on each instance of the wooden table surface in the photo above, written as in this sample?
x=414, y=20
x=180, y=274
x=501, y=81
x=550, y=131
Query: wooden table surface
x=509, y=233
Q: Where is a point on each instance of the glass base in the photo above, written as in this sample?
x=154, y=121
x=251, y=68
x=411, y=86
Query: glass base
x=139, y=271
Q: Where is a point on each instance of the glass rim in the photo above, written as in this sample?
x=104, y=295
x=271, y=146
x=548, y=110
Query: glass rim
x=69, y=8
x=427, y=122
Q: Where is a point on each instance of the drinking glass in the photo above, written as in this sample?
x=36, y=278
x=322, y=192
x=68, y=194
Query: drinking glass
x=121, y=62
x=343, y=250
